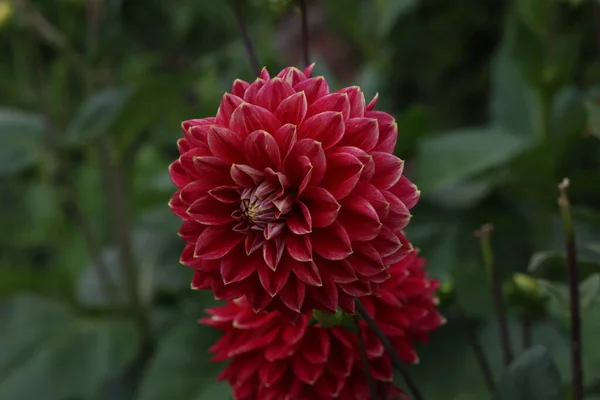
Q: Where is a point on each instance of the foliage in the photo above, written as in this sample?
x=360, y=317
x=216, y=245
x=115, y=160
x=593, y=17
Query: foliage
x=492, y=113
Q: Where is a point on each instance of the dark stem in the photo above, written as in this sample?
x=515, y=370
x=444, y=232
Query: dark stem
x=238, y=10
x=120, y=228
x=482, y=360
x=304, y=20
x=574, y=302
x=365, y=361
x=396, y=362
x=488, y=259
x=596, y=6
x=527, y=331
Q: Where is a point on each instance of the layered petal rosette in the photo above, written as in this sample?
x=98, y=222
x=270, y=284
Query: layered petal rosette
x=291, y=195
x=272, y=359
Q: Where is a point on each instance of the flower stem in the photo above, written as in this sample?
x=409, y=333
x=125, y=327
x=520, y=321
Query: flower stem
x=365, y=361
x=482, y=360
x=573, y=281
x=396, y=362
x=304, y=19
x=238, y=10
x=488, y=260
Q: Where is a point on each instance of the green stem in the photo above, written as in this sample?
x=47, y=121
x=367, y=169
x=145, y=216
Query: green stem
x=574, y=301
x=387, y=345
x=488, y=261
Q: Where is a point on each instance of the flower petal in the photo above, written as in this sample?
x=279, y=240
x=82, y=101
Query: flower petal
x=225, y=144
x=323, y=206
x=209, y=211
x=292, y=75
x=332, y=242
x=366, y=260
x=357, y=101
x=373, y=102
x=292, y=294
x=216, y=241
x=314, y=88
x=359, y=218
x=293, y=109
x=229, y=103
x=225, y=194
x=273, y=92
x=388, y=131
x=237, y=266
x=272, y=252
x=307, y=272
x=387, y=242
x=262, y=151
x=361, y=132
x=337, y=102
x=388, y=170
x=311, y=149
x=406, y=191
x=286, y=139
x=299, y=220
x=399, y=215
x=213, y=171
x=343, y=173
x=178, y=174
x=239, y=87
x=274, y=280
x=248, y=118
x=250, y=95
x=326, y=127
x=299, y=246
x=245, y=175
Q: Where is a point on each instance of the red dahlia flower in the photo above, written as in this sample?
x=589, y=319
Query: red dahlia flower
x=291, y=195
x=273, y=359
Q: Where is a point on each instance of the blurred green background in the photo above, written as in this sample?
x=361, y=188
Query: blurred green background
x=495, y=103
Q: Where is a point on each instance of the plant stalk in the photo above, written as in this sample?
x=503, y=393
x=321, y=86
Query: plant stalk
x=488, y=260
x=365, y=361
x=238, y=10
x=305, y=36
x=396, y=362
x=573, y=282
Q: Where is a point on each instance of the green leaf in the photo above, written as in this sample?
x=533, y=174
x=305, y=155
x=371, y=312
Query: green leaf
x=515, y=105
x=21, y=135
x=450, y=158
x=552, y=265
x=97, y=114
x=535, y=14
x=532, y=376
x=390, y=11
x=589, y=290
x=181, y=368
x=50, y=353
x=593, y=117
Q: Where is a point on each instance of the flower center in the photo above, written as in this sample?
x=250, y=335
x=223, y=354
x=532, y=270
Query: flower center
x=261, y=208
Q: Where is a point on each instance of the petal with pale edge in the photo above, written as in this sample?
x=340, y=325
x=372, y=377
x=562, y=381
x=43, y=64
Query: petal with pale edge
x=248, y=118
x=292, y=294
x=273, y=92
x=216, y=241
x=406, y=191
x=262, y=150
x=237, y=266
x=286, y=138
x=229, y=103
x=357, y=101
x=239, y=87
x=209, y=211
x=326, y=127
x=299, y=246
x=273, y=280
x=293, y=109
x=343, y=173
x=299, y=220
x=323, y=206
x=337, y=102
x=359, y=218
x=314, y=88
x=332, y=242
x=388, y=170
x=361, y=132
x=225, y=144
x=245, y=175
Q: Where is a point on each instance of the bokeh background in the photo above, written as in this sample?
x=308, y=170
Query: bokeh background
x=495, y=103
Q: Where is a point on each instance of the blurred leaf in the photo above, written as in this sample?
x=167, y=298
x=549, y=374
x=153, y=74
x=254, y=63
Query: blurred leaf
x=552, y=265
x=536, y=14
x=593, y=117
x=589, y=290
x=48, y=352
x=413, y=124
x=462, y=195
x=532, y=376
x=514, y=103
x=390, y=11
x=568, y=113
x=181, y=368
x=450, y=158
x=96, y=115
x=21, y=135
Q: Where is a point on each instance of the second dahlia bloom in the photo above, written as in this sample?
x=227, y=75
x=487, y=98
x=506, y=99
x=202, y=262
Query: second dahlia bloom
x=291, y=195
x=273, y=359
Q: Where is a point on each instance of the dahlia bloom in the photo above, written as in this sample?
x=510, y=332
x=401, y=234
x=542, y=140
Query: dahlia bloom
x=273, y=359
x=291, y=195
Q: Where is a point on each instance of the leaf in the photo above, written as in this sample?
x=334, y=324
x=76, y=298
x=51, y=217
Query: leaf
x=515, y=105
x=97, y=114
x=181, y=368
x=552, y=265
x=390, y=11
x=450, y=158
x=536, y=14
x=48, y=352
x=532, y=376
x=589, y=290
x=593, y=117
x=21, y=135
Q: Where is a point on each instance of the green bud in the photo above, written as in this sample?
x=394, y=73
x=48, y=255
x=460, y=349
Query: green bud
x=328, y=320
x=525, y=296
x=446, y=293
